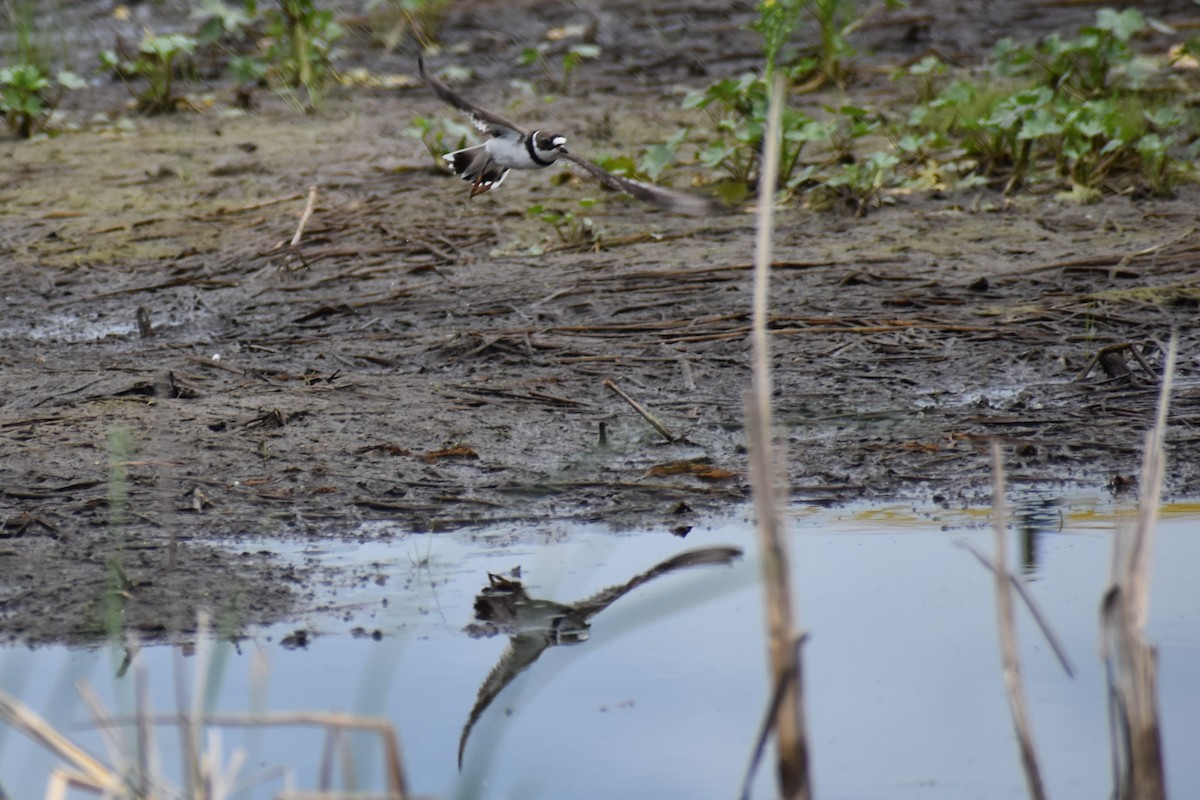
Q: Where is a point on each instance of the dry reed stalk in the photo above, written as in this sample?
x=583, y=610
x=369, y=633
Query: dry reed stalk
x=1006, y=623
x=765, y=470
x=1132, y=661
x=87, y=771
x=1035, y=610
x=332, y=721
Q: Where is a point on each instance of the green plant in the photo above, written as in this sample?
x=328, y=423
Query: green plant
x=1084, y=66
x=658, y=157
x=28, y=94
x=301, y=47
x=439, y=136
x=220, y=22
x=861, y=183
x=836, y=20
x=568, y=60
x=156, y=61
x=572, y=230
x=737, y=108
x=1070, y=110
x=832, y=18
x=28, y=97
x=847, y=125
x=777, y=20
x=925, y=77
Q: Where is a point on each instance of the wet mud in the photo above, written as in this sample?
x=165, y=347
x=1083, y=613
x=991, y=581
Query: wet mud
x=179, y=380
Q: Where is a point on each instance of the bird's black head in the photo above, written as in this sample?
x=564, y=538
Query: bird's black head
x=550, y=144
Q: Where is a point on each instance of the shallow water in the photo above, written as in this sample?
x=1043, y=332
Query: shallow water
x=904, y=690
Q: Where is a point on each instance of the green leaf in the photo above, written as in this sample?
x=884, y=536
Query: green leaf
x=1039, y=124
x=618, y=165
x=656, y=160
x=1165, y=118
x=1151, y=146
x=1122, y=24
x=715, y=155
x=586, y=50
x=69, y=80
x=930, y=65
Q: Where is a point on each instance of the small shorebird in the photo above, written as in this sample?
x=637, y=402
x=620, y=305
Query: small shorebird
x=509, y=146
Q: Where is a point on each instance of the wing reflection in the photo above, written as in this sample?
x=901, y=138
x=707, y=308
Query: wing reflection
x=532, y=625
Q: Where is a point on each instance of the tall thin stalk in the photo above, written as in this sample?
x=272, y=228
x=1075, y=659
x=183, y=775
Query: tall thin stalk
x=1006, y=624
x=1131, y=660
x=765, y=470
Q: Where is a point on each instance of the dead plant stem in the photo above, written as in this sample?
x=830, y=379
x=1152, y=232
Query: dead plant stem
x=308, y=210
x=1132, y=661
x=1006, y=623
x=786, y=666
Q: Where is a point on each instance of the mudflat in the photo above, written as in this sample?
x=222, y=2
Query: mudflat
x=178, y=379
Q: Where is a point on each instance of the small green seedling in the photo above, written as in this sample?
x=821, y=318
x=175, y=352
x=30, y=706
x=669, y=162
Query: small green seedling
x=301, y=47
x=439, y=136
x=28, y=97
x=862, y=183
x=572, y=230
x=156, y=60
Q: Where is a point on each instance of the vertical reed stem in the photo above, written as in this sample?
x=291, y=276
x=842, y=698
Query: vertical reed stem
x=1006, y=623
x=764, y=474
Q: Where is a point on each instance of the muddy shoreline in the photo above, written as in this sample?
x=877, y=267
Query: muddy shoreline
x=414, y=361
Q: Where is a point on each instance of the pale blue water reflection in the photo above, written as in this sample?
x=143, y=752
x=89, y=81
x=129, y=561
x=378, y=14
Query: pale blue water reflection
x=663, y=700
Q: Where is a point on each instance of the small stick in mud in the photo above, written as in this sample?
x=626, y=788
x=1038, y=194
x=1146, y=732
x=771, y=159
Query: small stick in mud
x=145, y=326
x=640, y=409
x=308, y=210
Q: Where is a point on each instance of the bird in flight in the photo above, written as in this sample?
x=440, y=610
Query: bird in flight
x=509, y=146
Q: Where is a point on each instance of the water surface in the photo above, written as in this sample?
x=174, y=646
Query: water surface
x=664, y=698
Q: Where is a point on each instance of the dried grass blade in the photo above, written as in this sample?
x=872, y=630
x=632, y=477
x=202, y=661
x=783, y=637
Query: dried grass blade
x=1035, y=610
x=331, y=720
x=109, y=726
x=769, y=721
x=640, y=409
x=91, y=771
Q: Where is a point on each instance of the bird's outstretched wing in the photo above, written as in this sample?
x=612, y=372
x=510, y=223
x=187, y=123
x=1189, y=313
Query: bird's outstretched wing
x=481, y=118
x=522, y=651
x=708, y=555
x=669, y=199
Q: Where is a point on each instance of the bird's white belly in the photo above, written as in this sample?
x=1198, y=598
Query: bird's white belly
x=511, y=153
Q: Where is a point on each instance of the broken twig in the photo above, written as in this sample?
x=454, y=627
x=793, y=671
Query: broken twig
x=640, y=409
x=308, y=210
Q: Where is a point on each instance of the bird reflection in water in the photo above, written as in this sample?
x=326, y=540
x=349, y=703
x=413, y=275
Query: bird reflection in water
x=532, y=624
